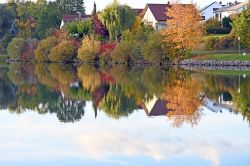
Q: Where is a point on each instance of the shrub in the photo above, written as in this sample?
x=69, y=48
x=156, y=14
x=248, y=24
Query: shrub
x=213, y=23
x=28, y=53
x=225, y=42
x=154, y=49
x=127, y=35
x=126, y=51
x=64, y=51
x=218, y=30
x=211, y=41
x=43, y=50
x=227, y=22
x=16, y=47
x=89, y=50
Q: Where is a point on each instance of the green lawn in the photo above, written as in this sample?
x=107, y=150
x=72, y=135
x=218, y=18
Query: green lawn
x=228, y=57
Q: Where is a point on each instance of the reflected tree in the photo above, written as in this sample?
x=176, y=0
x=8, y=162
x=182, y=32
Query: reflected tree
x=183, y=100
x=116, y=104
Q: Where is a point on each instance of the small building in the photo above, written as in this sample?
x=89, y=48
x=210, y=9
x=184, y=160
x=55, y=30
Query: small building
x=226, y=11
x=67, y=18
x=207, y=12
x=155, y=15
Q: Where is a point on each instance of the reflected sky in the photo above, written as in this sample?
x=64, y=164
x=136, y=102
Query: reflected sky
x=28, y=139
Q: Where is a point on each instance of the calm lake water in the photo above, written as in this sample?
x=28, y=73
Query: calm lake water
x=62, y=115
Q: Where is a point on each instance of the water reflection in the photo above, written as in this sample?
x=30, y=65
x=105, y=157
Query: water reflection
x=119, y=91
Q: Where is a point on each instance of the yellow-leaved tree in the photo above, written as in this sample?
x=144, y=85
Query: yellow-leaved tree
x=184, y=29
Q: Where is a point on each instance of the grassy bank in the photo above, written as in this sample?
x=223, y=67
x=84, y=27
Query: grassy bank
x=225, y=57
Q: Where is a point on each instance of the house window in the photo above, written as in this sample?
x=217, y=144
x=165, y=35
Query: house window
x=203, y=17
x=214, y=9
x=217, y=15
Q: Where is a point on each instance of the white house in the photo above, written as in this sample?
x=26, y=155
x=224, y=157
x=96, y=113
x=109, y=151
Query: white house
x=230, y=10
x=207, y=12
x=155, y=15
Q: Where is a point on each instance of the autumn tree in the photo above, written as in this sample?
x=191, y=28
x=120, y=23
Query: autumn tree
x=64, y=51
x=43, y=50
x=89, y=50
x=137, y=24
x=185, y=29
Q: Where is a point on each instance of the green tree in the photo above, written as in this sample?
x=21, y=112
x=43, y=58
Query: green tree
x=116, y=104
x=7, y=19
x=126, y=51
x=117, y=18
x=241, y=27
x=154, y=49
x=94, y=10
x=7, y=25
x=16, y=47
x=227, y=22
x=48, y=16
x=43, y=50
x=64, y=51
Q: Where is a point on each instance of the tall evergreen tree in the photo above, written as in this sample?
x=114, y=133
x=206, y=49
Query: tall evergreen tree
x=94, y=9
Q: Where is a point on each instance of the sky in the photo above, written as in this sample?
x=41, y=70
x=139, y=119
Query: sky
x=138, y=3
x=33, y=139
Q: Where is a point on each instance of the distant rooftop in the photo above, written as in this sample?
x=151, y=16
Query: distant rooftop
x=233, y=7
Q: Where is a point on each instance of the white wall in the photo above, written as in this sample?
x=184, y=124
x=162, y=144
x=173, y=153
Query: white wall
x=209, y=12
x=228, y=13
x=149, y=19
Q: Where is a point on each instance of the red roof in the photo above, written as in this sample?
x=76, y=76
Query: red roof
x=73, y=17
x=138, y=11
x=159, y=10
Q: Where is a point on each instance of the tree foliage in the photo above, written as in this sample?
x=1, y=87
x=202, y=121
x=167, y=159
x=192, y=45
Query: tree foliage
x=241, y=27
x=89, y=49
x=117, y=18
x=154, y=49
x=212, y=23
x=185, y=29
x=64, y=51
x=16, y=47
x=43, y=50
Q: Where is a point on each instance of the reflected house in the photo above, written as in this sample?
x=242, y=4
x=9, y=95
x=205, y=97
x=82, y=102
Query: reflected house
x=216, y=106
x=155, y=107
